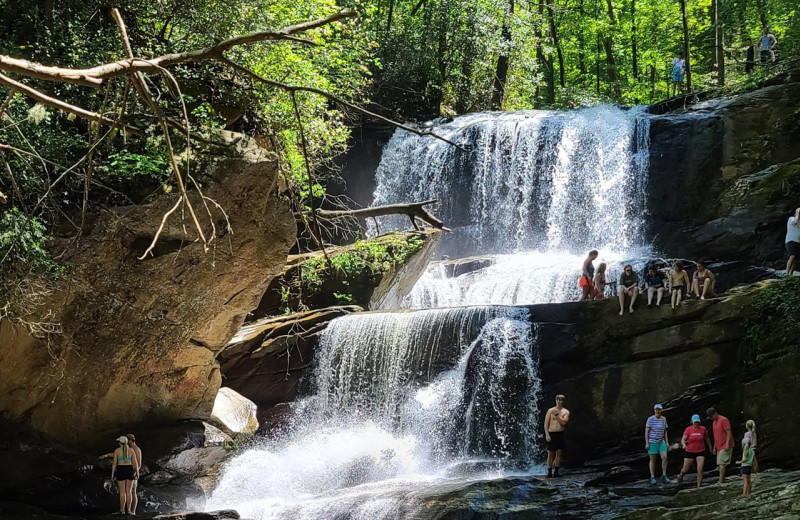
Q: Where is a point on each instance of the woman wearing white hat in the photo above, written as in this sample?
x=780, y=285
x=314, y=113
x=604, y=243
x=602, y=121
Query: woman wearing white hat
x=124, y=472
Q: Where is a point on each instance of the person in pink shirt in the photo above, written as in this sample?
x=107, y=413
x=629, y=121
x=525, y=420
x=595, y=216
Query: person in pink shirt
x=694, y=441
x=723, y=441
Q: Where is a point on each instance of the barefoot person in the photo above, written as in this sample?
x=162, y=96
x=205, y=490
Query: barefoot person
x=792, y=240
x=628, y=284
x=124, y=471
x=654, y=281
x=694, y=441
x=748, y=455
x=587, y=276
x=703, y=282
x=600, y=282
x=752, y=438
x=723, y=441
x=656, y=442
x=678, y=283
x=135, y=447
x=555, y=420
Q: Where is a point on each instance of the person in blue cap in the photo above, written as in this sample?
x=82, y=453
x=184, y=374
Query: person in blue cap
x=655, y=442
x=694, y=441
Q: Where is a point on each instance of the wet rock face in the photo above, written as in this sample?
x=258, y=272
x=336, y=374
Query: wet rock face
x=141, y=337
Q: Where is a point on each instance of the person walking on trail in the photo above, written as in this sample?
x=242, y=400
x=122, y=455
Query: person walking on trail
x=656, y=442
x=766, y=43
x=628, y=285
x=723, y=441
x=694, y=441
x=586, y=282
x=134, y=487
x=555, y=420
x=654, y=281
x=792, y=240
x=678, y=283
x=124, y=470
x=678, y=73
x=750, y=59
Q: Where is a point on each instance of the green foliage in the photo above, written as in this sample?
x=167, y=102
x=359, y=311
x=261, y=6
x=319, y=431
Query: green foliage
x=24, y=240
x=774, y=328
x=352, y=267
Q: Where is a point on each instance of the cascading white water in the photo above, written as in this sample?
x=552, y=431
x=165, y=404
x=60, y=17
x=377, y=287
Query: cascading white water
x=424, y=395
x=411, y=406
x=534, y=191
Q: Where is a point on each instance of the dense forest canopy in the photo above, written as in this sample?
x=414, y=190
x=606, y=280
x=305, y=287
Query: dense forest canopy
x=408, y=60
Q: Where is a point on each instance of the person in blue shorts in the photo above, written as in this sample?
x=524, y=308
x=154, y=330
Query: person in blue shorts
x=656, y=442
x=678, y=73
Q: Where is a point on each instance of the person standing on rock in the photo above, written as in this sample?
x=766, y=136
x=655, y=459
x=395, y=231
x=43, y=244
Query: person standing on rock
x=656, y=442
x=586, y=282
x=750, y=59
x=124, y=471
x=628, y=284
x=694, y=441
x=792, y=240
x=723, y=441
x=678, y=283
x=600, y=282
x=766, y=43
x=678, y=72
x=748, y=455
x=655, y=285
x=555, y=420
x=752, y=438
x=134, y=487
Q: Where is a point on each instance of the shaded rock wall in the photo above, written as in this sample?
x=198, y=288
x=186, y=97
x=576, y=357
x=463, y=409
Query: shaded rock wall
x=140, y=338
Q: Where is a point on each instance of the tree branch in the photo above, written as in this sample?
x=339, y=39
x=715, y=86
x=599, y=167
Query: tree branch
x=94, y=76
x=57, y=103
x=413, y=210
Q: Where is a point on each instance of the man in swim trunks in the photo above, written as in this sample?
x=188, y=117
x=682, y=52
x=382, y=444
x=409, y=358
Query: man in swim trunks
x=555, y=420
x=792, y=240
x=587, y=277
x=678, y=283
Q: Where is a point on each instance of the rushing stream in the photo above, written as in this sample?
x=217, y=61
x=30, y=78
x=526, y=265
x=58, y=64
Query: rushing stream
x=407, y=406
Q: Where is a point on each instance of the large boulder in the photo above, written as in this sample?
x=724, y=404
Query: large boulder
x=140, y=337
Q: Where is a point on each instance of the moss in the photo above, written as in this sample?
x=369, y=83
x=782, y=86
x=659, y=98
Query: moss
x=773, y=185
x=353, y=273
x=774, y=327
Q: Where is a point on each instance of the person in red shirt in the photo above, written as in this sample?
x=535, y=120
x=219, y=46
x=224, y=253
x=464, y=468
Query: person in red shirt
x=723, y=441
x=694, y=441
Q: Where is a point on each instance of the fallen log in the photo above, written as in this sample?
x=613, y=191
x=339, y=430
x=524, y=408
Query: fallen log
x=414, y=210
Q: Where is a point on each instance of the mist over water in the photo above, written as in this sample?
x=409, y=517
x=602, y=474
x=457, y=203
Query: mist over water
x=408, y=406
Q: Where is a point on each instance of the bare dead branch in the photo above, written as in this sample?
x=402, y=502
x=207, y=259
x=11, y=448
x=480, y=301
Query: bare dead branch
x=94, y=76
x=412, y=210
x=335, y=99
x=160, y=229
x=61, y=105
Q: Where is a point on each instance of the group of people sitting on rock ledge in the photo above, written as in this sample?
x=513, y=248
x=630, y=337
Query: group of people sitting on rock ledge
x=694, y=441
x=677, y=283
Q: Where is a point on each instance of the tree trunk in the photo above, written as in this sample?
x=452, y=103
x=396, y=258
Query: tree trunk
x=556, y=44
x=463, y=99
x=720, y=47
x=581, y=48
x=501, y=72
x=686, y=45
x=389, y=17
x=597, y=64
x=608, y=44
x=762, y=12
x=634, y=57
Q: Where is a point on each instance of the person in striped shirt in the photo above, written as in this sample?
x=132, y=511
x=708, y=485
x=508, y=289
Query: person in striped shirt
x=655, y=442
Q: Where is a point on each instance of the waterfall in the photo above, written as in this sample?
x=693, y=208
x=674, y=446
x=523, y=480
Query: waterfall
x=402, y=397
x=532, y=190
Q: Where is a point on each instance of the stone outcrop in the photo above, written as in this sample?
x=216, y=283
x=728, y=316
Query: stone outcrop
x=702, y=156
x=140, y=337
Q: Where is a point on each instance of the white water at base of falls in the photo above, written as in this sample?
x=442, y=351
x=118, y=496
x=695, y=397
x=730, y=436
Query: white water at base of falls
x=352, y=451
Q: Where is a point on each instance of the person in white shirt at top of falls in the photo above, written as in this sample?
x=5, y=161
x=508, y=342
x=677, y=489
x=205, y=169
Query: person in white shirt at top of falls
x=678, y=72
x=792, y=240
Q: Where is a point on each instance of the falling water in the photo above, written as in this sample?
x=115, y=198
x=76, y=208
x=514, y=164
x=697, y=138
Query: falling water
x=533, y=191
x=424, y=397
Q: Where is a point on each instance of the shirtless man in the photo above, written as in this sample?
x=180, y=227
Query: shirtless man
x=555, y=420
x=132, y=443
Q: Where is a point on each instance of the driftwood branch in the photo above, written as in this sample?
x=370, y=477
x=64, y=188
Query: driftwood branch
x=413, y=210
x=94, y=76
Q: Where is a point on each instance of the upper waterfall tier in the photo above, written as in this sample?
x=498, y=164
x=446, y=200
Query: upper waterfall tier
x=534, y=180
